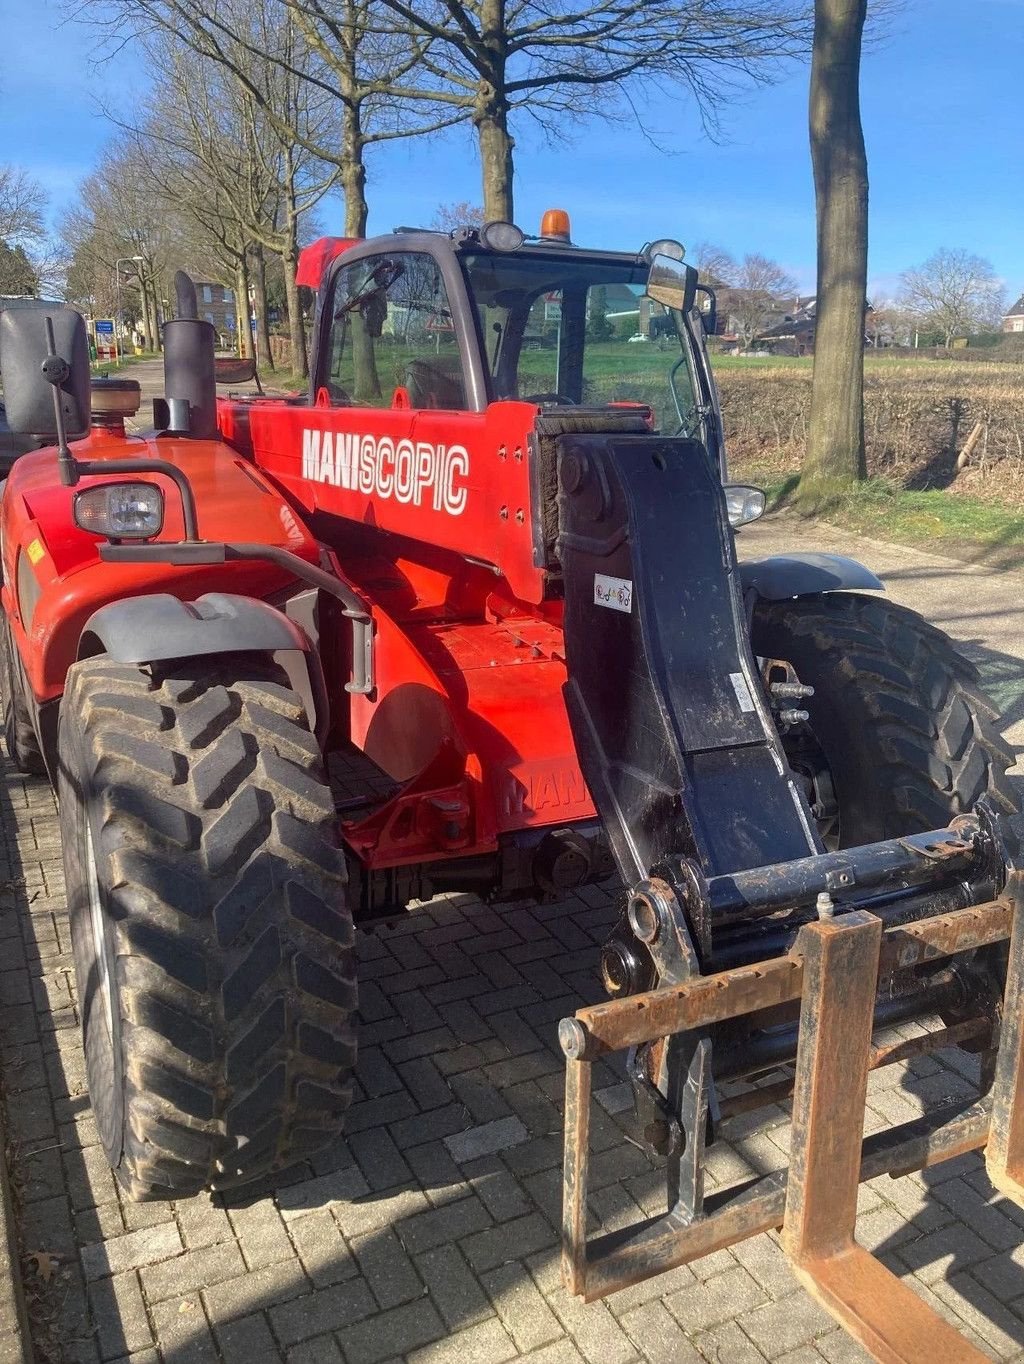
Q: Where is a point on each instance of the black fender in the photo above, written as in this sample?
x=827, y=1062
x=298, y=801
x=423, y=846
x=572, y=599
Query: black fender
x=802, y=575
x=159, y=627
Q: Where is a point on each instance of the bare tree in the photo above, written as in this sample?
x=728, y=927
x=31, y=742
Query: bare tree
x=117, y=217
x=351, y=51
x=556, y=62
x=28, y=262
x=954, y=293
x=215, y=152
x=449, y=217
x=401, y=67
x=835, y=439
x=714, y=264
x=887, y=324
x=760, y=286
x=22, y=205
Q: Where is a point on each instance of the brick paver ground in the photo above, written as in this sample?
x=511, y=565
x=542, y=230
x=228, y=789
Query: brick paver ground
x=431, y=1233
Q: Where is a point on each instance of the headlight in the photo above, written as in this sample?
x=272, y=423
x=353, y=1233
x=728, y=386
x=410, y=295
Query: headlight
x=744, y=504
x=121, y=511
x=501, y=236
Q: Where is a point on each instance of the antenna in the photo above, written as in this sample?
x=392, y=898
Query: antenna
x=56, y=371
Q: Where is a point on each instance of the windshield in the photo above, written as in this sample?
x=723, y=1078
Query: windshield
x=560, y=329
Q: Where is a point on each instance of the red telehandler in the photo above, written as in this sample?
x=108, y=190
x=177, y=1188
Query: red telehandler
x=492, y=551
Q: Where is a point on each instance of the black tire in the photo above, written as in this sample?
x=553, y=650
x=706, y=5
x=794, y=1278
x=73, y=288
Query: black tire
x=908, y=738
x=19, y=736
x=194, y=804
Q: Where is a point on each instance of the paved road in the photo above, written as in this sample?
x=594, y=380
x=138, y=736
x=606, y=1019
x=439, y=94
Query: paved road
x=150, y=375
x=432, y=1233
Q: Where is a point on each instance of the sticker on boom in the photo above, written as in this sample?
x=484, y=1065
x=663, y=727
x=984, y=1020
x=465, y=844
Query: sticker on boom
x=415, y=472
x=743, y=696
x=615, y=593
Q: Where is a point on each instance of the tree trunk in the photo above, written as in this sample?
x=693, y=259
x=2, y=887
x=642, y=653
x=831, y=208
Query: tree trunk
x=353, y=179
x=264, y=358
x=491, y=113
x=242, y=308
x=144, y=318
x=496, y=165
x=296, y=326
x=835, y=444
x=353, y=170
x=290, y=261
x=153, y=311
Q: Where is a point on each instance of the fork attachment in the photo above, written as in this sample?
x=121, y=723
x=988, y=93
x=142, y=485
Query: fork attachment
x=711, y=832
x=835, y=971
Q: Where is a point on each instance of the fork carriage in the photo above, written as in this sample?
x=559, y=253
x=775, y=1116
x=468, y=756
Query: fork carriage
x=840, y=972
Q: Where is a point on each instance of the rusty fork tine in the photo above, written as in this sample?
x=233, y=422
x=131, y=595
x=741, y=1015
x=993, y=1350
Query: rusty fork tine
x=1004, y=1155
x=577, y=1155
x=892, y=1323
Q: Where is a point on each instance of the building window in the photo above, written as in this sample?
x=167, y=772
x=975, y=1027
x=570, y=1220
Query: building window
x=207, y=294
x=1018, y=324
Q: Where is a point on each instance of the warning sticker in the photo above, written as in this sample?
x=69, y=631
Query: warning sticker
x=616, y=593
x=743, y=696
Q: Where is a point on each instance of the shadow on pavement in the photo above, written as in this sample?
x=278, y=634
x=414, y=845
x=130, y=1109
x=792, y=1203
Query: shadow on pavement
x=434, y=1224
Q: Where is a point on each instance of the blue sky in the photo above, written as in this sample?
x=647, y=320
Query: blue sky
x=941, y=96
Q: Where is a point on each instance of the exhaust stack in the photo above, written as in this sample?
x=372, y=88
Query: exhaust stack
x=189, y=382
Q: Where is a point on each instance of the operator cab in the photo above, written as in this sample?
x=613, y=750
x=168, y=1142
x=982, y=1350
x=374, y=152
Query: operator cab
x=455, y=322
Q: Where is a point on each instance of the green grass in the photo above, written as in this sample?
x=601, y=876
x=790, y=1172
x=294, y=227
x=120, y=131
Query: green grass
x=946, y=523
x=104, y=369
x=742, y=362
x=283, y=381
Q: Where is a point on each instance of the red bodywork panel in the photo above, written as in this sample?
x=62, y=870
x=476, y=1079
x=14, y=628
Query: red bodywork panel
x=451, y=480
x=430, y=514
x=234, y=502
x=317, y=256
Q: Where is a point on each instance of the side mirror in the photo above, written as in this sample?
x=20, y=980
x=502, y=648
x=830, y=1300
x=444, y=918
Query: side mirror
x=672, y=283
x=228, y=370
x=28, y=395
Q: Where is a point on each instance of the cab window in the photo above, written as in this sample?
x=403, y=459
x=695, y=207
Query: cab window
x=391, y=328
x=575, y=330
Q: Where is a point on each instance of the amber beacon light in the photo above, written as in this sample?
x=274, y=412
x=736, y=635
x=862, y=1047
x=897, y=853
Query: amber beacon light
x=554, y=226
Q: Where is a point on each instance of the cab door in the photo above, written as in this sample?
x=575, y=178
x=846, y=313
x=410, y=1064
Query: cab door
x=397, y=403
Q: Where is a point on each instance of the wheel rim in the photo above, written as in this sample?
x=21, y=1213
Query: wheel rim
x=99, y=939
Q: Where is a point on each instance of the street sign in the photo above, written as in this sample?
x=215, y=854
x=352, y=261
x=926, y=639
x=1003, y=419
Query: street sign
x=106, y=345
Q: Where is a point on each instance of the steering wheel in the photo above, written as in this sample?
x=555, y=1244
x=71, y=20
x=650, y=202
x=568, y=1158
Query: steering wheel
x=559, y=399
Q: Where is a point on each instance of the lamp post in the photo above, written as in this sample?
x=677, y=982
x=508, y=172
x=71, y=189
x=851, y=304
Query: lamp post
x=118, y=346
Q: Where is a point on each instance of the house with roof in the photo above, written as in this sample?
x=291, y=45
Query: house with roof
x=793, y=333
x=1013, y=321
x=780, y=320
x=217, y=305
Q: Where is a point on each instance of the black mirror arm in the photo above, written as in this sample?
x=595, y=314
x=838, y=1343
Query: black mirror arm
x=56, y=371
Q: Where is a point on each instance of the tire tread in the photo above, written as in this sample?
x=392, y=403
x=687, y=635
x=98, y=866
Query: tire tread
x=218, y=902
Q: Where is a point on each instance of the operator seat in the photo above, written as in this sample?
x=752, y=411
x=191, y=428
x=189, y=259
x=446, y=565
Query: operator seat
x=437, y=386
